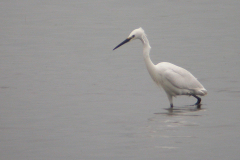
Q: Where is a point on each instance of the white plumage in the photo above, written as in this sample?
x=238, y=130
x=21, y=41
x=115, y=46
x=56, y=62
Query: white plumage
x=173, y=79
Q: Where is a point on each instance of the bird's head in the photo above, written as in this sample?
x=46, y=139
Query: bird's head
x=135, y=34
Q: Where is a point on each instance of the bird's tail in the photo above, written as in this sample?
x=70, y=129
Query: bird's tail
x=202, y=92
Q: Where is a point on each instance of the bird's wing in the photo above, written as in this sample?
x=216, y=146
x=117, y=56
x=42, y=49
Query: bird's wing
x=181, y=78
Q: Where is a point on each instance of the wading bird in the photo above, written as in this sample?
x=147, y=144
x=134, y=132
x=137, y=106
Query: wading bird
x=173, y=79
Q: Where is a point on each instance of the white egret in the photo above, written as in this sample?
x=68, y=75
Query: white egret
x=173, y=79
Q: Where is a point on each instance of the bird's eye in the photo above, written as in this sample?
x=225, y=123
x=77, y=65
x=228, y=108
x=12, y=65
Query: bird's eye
x=133, y=36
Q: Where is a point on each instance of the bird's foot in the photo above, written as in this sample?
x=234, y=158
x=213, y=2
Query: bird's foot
x=197, y=103
x=198, y=106
x=198, y=99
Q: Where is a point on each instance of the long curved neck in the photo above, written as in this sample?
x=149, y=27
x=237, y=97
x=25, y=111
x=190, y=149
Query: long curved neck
x=146, y=52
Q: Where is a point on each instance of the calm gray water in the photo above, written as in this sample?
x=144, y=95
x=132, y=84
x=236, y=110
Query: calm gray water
x=64, y=94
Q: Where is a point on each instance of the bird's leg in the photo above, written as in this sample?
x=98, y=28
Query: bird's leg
x=170, y=100
x=198, y=99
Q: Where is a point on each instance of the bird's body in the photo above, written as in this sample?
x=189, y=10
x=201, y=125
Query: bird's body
x=173, y=79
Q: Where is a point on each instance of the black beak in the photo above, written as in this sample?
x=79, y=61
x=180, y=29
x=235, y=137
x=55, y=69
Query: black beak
x=125, y=41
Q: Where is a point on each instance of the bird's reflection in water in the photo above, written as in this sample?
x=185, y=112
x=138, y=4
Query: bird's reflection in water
x=182, y=111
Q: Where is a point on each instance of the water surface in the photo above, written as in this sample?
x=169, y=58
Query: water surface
x=64, y=94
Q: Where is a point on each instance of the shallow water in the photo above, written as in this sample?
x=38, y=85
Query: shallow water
x=64, y=94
